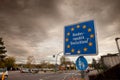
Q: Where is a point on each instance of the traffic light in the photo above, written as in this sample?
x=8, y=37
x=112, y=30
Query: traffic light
x=54, y=56
x=2, y=49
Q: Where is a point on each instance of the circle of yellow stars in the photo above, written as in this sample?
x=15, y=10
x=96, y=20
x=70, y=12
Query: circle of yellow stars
x=90, y=43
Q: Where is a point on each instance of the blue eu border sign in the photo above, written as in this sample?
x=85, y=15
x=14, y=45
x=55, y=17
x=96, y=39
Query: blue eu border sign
x=80, y=39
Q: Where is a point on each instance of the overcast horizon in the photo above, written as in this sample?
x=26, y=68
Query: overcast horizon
x=36, y=27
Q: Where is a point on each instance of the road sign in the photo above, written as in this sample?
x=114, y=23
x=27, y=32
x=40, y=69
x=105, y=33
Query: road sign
x=80, y=39
x=81, y=63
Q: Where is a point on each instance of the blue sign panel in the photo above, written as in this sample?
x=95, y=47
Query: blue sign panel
x=81, y=63
x=80, y=39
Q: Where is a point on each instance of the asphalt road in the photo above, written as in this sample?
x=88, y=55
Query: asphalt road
x=69, y=75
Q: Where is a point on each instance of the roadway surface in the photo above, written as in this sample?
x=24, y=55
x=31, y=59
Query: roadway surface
x=69, y=75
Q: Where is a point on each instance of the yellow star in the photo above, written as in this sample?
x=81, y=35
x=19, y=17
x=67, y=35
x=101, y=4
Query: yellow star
x=92, y=35
x=89, y=30
x=85, y=49
x=84, y=26
x=78, y=51
x=72, y=29
x=72, y=50
x=78, y=26
x=90, y=43
x=68, y=46
x=66, y=39
x=68, y=33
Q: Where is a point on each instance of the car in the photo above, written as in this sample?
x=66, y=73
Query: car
x=89, y=69
x=34, y=70
x=25, y=70
x=4, y=70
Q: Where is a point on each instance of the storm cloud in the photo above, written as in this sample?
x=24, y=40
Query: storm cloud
x=37, y=26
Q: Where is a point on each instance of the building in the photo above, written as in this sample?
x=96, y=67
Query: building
x=110, y=60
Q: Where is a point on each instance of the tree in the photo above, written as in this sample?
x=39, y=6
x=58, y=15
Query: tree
x=44, y=64
x=30, y=60
x=94, y=63
x=67, y=63
x=62, y=60
x=2, y=50
x=9, y=62
x=2, y=64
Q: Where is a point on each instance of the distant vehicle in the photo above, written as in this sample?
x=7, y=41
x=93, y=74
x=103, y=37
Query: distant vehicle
x=4, y=70
x=89, y=69
x=47, y=69
x=25, y=70
x=34, y=70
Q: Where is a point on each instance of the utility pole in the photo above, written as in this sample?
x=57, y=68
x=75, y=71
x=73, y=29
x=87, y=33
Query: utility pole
x=56, y=60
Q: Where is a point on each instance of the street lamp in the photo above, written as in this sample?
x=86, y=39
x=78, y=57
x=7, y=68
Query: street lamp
x=56, y=59
x=116, y=39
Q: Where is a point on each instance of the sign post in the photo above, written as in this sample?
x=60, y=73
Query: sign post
x=82, y=64
x=80, y=39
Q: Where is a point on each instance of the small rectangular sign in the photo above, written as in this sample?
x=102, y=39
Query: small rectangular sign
x=80, y=39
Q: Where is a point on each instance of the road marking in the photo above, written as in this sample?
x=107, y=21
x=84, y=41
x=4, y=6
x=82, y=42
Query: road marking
x=65, y=77
x=74, y=78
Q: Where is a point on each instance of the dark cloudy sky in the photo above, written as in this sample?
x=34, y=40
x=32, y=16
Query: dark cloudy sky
x=36, y=27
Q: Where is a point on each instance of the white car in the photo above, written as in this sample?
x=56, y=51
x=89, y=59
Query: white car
x=4, y=70
x=34, y=70
x=25, y=70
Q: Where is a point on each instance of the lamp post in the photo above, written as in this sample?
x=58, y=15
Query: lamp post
x=116, y=39
x=56, y=59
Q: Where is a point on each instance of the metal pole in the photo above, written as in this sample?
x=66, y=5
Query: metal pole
x=116, y=39
x=83, y=75
x=56, y=61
